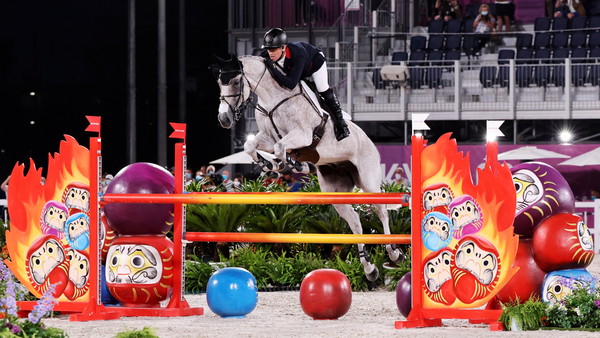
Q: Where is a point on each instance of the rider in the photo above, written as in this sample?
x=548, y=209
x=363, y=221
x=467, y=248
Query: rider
x=300, y=60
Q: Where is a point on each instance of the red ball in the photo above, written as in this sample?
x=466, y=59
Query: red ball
x=325, y=294
x=562, y=241
x=140, y=218
x=528, y=280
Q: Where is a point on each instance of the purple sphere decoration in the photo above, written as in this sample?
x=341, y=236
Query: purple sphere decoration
x=140, y=218
x=541, y=192
x=404, y=294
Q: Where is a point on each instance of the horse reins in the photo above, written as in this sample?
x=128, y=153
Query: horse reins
x=252, y=101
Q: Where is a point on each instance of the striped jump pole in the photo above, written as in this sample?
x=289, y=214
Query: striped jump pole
x=261, y=198
x=243, y=237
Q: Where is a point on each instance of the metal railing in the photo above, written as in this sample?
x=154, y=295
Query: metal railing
x=464, y=90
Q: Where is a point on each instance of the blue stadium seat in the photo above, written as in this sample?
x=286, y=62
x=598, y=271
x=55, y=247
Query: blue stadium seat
x=579, y=69
x=560, y=40
x=418, y=43
x=436, y=26
x=541, y=24
x=594, y=40
x=435, y=42
x=542, y=68
x=524, y=40
x=398, y=57
x=559, y=24
x=377, y=79
x=487, y=76
x=524, y=67
x=578, y=40
x=472, y=11
x=416, y=69
x=558, y=68
x=450, y=56
x=503, y=77
x=470, y=45
x=594, y=59
x=453, y=42
x=542, y=40
x=434, y=72
x=454, y=26
x=578, y=22
x=594, y=22
x=468, y=25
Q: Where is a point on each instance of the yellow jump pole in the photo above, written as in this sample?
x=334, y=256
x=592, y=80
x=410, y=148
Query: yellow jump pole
x=261, y=198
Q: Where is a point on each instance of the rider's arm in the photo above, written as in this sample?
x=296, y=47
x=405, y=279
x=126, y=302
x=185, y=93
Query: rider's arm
x=292, y=77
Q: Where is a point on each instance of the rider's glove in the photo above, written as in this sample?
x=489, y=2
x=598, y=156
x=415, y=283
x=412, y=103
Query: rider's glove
x=269, y=63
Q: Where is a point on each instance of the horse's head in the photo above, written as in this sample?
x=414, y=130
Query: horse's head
x=229, y=77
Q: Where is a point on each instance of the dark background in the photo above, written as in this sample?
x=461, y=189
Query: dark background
x=73, y=55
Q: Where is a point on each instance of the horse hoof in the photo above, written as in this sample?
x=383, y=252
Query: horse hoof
x=396, y=255
x=389, y=265
x=373, y=275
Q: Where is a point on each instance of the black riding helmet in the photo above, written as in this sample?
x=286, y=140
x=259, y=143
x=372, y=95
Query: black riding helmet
x=274, y=38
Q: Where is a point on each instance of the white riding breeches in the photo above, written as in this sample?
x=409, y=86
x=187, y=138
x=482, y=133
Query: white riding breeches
x=321, y=79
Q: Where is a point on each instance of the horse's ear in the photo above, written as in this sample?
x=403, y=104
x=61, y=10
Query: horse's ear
x=235, y=61
x=215, y=70
x=216, y=66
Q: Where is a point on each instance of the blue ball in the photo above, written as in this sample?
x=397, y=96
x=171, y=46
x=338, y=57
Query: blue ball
x=232, y=292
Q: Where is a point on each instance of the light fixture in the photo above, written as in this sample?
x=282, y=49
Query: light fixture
x=250, y=137
x=31, y=93
x=565, y=136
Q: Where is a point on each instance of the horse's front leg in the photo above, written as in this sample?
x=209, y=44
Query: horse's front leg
x=263, y=142
x=295, y=139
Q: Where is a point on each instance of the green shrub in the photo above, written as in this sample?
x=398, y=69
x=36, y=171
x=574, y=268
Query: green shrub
x=146, y=332
x=526, y=316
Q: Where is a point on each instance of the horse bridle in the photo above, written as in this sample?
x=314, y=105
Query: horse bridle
x=240, y=108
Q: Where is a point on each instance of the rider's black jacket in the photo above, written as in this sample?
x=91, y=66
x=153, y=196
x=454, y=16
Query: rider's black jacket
x=301, y=61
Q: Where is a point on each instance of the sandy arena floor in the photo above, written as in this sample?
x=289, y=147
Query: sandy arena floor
x=278, y=314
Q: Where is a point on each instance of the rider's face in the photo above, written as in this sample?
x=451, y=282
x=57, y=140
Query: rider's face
x=276, y=53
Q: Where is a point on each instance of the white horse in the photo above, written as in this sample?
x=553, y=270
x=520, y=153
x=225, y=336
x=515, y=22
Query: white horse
x=291, y=127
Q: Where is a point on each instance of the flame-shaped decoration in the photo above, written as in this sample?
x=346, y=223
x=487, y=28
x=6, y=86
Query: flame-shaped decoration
x=495, y=195
x=28, y=198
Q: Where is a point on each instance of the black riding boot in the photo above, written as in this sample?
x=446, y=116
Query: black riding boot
x=340, y=126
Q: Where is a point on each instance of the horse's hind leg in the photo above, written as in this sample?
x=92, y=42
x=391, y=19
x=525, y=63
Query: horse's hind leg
x=336, y=179
x=394, y=252
x=346, y=212
x=369, y=180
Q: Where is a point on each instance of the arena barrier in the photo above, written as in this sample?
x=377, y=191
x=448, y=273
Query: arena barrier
x=425, y=170
x=177, y=304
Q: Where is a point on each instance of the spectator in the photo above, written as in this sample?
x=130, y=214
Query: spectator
x=569, y=8
x=106, y=179
x=188, y=178
x=448, y=10
x=505, y=10
x=237, y=182
x=227, y=182
x=484, y=25
x=271, y=177
x=399, y=177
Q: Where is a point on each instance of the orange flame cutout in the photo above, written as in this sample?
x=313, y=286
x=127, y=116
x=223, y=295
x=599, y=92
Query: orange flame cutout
x=28, y=197
x=494, y=193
